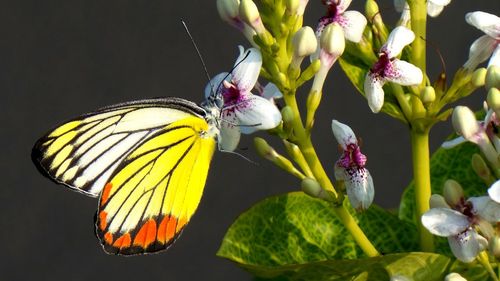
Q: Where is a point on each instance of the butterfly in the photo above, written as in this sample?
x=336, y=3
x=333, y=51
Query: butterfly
x=148, y=160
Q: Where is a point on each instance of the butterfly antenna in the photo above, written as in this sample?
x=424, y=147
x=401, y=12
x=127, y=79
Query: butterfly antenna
x=240, y=155
x=232, y=69
x=199, y=54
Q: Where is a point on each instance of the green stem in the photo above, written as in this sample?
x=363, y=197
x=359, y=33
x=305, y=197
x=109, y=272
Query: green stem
x=418, y=12
x=484, y=261
x=422, y=178
x=356, y=232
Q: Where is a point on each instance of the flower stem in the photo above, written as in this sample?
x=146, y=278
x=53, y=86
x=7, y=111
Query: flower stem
x=484, y=261
x=418, y=12
x=422, y=179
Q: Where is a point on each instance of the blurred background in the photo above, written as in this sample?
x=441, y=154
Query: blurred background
x=59, y=59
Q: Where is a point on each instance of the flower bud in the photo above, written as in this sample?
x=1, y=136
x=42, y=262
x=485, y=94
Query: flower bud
x=492, y=79
x=332, y=40
x=287, y=114
x=452, y=192
x=464, y=122
x=494, y=246
x=478, y=77
x=304, y=42
x=454, y=277
x=493, y=99
x=249, y=12
x=264, y=149
x=292, y=6
x=481, y=168
x=311, y=187
x=437, y=201
x=428, y=95
x=228, y=10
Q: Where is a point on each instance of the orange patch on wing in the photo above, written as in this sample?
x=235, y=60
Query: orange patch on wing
x=108, y=238
x=146, y=235
x=123, y=241
x=105, y=193
x=182, y=222
x=172, y=222
x=102, y=220
x=162, y=230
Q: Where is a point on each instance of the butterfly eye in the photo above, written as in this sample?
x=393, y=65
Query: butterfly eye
x=219, y=102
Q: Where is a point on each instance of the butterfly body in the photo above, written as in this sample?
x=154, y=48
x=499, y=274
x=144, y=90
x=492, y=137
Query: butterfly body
x=148, y=160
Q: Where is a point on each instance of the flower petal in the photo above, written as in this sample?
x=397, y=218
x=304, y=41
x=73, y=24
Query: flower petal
x=479, y=51
x=229, y=136
x=374, y=92
x=215, y=84
x=353, y=24
x=255, y=113
x=247, y=69
x=495, y=57
x=343, y=134
x=486, y=22
x=486, y=208
x=434, y=10
x=466, y=245
x=494, y=191
x=398, y=39
x=271, y=92
x=445, y=222
x=454, y=142
x=404, y=73
x=343, y=5
x=359, y=187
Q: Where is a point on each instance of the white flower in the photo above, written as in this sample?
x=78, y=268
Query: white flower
x=242, y=111
x=351, y=168
x=454, y=277
x=481, y=133
x=494, y=191
x=352, y=22
x=389, y=68
x=487, y=45
x=459, y=222
x=434, y=7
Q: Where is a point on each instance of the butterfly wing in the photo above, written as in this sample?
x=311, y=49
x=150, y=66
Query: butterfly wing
x=83, y=152
x=155, y=190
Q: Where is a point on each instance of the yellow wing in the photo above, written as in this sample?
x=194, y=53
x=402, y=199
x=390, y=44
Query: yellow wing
x=84, y=152
x=155, y=190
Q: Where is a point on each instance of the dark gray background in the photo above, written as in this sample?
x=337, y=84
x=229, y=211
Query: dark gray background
x=59, y=59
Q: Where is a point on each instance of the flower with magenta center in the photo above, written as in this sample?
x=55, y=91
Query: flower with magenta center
x=391, y=69
x=487, y=45
x=242, y=111
x=352, y=22
x=351, y=169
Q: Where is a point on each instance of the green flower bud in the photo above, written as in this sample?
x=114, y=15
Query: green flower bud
x=494, y=246
x=264, y=149
x=464, y=121
x=304, y=42
x=493, y=99
x=287, y=114
x=311, y=187
x=428, y=95
x=481, y=168
x=332, y=40
x=492, y=79
x=437, y=201
x=478, y=77
x=452, y=192
x=292, y=6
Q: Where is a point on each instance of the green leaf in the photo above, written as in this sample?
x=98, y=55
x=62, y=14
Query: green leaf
x=355, y=71
x=295, y=230
x=414, y=266
x=454, y=163
x=470, y=271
